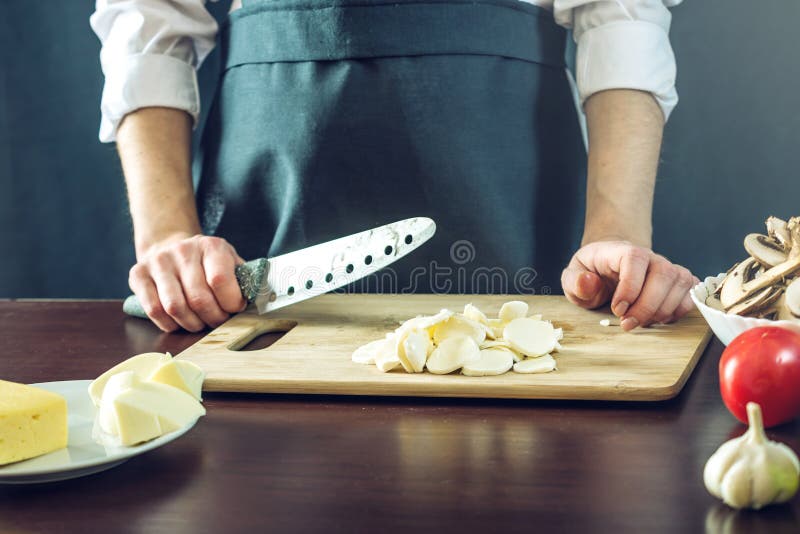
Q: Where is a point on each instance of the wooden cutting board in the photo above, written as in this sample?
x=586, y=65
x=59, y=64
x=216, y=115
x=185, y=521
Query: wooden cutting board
x=597, y=362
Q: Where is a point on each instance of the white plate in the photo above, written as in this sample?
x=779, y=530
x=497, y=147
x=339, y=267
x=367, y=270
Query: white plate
x=727, y=326
x=82, y=456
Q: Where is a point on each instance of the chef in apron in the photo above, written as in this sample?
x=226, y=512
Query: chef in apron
x=335, y=116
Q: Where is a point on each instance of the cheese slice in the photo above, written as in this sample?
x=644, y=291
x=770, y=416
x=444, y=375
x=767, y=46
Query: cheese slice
x=186, y=376
x=143, y=365
x=32, y=422
x=133, y=410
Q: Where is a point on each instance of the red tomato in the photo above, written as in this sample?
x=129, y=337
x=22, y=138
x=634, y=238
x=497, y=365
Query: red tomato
x=762, y=365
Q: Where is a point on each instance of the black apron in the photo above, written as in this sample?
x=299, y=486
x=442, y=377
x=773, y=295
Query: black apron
x=335, y=116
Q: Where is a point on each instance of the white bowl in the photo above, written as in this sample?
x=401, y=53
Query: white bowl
x=727, y=326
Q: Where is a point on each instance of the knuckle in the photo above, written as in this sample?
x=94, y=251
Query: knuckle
x=184, y=248
x=665, y=271
x=161, y=259
x=644, y=311
x=638, y=254
x=174, y=307
x=218, y=280
x=137, y=271
x=155, y=311
x=686, y=278
x=199, y=301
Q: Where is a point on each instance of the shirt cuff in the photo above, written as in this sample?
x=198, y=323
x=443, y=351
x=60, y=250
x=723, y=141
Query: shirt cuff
x=627, y=55
x=146, y=80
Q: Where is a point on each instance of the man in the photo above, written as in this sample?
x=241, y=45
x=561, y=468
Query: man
x=339, y=115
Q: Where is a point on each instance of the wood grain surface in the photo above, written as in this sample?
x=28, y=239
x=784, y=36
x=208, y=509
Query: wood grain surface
x=597, y=362
x=319, y=463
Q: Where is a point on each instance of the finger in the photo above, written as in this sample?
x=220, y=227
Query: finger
x=581, y=287
x=658, y=283
x=685, y=307
x=219, y=266
x=676, y=295
x=145, y=290
x=170, y=293
x=199, y=295
x=633, y=265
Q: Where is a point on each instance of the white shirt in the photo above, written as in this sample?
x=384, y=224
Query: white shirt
x=152, y=48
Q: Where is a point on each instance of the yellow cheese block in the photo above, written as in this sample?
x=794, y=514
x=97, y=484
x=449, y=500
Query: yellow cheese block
x=32, y=422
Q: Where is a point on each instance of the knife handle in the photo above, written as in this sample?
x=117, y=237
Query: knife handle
x=249, y=275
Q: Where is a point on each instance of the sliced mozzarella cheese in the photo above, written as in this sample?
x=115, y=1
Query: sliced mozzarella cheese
x=414, y=350
x=365, y=354
x=543, y=364
x=473, y=313
x=496, y=326
x=530, y=337
x=459, y=326
x=386, y=358
x=511, y=310
x=423, y=322
x=184, y=375
x=452, y=354
x=133, y=410
x=142, y=364
x=491, y=362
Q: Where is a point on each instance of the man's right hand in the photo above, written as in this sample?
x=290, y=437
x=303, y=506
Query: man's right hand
x=188, y=281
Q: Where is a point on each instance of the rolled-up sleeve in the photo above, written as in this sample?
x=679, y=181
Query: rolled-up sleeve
x=149, y=55
x=622, y=44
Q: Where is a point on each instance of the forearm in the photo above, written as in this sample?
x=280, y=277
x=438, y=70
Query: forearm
x=625, y=130
x=154, y=146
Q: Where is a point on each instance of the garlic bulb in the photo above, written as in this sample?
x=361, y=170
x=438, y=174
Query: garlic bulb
x=751, y=471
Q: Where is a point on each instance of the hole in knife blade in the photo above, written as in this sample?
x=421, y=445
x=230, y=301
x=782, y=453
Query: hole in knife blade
x=328, y=278
x=388, y=250
x=409, y=239
x=368, y=259
x=290, y=291
x=309, y=284
x=349, y=268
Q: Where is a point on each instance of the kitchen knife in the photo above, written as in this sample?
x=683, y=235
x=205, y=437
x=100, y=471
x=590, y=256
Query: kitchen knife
x=273, y=283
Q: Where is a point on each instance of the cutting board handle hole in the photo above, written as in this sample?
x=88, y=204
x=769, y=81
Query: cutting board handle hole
x=263, y=337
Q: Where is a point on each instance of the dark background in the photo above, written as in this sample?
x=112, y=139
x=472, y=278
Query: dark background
x=729, y=159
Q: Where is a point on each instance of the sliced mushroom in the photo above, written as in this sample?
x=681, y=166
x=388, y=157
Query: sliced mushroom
x=792, y=297
x=777, y=229
x=758, y=301
x=732, y=287
x=766, y=250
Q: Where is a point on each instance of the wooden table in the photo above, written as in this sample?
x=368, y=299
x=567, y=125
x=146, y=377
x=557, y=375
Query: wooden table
x=363, y=464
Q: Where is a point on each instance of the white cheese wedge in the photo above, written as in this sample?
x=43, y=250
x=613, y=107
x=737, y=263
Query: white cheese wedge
x=511, y=310
x=543, y=364
x=491, y=362
x=452, y=354
x=32, y=422
x=530, y=337
x=413, y=351
x=143, y=365
x=133, y=410
x=184, y=375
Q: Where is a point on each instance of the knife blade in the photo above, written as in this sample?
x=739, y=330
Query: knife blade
x=272, y=283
